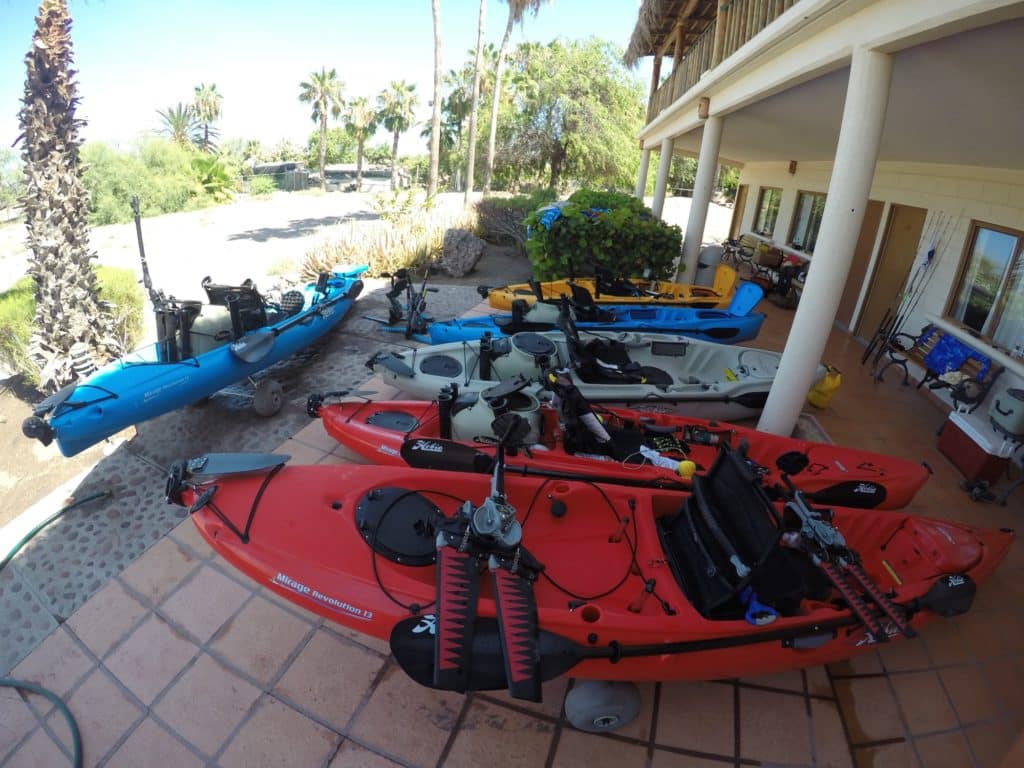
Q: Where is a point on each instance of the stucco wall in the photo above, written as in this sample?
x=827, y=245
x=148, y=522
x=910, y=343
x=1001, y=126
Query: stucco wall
x=950, y=193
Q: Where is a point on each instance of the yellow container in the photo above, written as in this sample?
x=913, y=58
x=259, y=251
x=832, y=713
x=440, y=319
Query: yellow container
x=821, y=394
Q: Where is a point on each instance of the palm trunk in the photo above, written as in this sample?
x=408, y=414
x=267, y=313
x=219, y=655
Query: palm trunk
x=394, y=163
x=495, y=97
x=471, y=155
x=323, y=151
x=435, y=119
x=359, y=164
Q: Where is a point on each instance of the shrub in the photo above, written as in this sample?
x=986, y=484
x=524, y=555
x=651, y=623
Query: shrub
x=410, y=242
x=502, y=220
x=118, y=287
x=612, y=229
x=17, y=309
x=262, y=185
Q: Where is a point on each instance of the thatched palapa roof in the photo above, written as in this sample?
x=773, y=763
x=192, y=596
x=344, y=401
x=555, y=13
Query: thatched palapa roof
x=656, y=23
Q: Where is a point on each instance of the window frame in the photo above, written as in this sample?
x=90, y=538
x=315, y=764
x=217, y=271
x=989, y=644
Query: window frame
x=1000, y=300
x=796, y=213
x=757, y=211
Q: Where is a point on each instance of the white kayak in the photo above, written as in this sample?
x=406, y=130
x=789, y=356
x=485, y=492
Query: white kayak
x=649, y=371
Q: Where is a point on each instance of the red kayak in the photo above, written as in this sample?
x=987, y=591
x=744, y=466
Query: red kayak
x=549, y=577
x=834, y=474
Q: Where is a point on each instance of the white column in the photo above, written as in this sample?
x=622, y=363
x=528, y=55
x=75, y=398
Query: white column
x=867, y=94
x=661, y=181
x=703, y=186
x=641, y=181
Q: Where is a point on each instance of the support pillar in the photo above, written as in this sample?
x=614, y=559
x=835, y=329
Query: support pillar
x=661, y=181
x=703, y=186
x=641, y=181
x=860, y=134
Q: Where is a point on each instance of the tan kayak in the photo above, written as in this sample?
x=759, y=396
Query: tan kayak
x=623, y=291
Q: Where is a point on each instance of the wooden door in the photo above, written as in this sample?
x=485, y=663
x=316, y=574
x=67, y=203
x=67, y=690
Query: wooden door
x=737, y=211
x=899, y=246
x=859, y=265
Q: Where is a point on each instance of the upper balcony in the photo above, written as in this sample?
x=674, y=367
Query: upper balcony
x=700, y=35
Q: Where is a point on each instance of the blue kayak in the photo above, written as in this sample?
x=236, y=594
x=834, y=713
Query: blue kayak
x=200, y=349
x=736, y=323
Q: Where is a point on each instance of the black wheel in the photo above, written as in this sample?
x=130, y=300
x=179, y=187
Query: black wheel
x=268, y=397
x=600, y=706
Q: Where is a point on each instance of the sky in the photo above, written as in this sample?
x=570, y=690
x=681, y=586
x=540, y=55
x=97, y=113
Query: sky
x=137, y=56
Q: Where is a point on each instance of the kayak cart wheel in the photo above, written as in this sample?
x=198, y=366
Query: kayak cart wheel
x=268, y=397
x=600, y=706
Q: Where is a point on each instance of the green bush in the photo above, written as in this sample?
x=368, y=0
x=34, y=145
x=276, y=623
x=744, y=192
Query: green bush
x=166, y=177
x=612, y=229
x=118, y=287
x=262, y=185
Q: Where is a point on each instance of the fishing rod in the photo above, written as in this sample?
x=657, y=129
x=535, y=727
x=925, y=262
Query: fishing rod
x=157, y=297
x=942, y=248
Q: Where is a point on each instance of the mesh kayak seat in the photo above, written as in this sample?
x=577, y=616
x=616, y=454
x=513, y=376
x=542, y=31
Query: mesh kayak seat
x=252, y=309
x=729, y=517
x=606, y=361
x=584, y=307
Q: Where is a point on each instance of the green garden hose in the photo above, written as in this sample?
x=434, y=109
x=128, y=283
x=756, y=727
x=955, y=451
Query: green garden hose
x=76, y=738
x=28, y=536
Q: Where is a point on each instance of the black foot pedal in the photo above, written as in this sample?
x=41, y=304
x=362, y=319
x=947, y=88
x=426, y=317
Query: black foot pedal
x=458, y=582
x=517, y=623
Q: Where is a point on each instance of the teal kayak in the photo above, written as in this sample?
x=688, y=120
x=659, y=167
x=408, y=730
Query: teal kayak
x=200, y=349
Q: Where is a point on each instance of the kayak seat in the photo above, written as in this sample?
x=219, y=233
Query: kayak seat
x=585, y=309
x=252, y=309
x=606, y=361
x=607, y=283
x=728, y=517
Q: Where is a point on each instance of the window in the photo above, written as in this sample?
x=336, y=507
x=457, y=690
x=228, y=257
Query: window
x=767, y=210
x=990, y=295
x=806, y=221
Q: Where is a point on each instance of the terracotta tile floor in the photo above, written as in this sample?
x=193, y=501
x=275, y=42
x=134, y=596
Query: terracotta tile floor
x=182, y=661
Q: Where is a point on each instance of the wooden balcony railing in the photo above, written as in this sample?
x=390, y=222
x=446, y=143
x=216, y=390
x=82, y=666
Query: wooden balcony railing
x=742, y=21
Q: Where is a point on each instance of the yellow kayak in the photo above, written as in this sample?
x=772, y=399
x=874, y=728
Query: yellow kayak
x=718, y=295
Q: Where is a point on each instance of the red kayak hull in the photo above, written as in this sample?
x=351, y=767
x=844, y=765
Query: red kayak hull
x=304, y=543
x=835, y=475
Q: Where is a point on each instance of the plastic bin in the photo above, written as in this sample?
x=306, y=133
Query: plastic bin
x=976, y=450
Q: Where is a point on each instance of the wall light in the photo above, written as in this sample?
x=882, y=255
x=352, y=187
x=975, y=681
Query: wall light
x=792, y=166
x=702, y=107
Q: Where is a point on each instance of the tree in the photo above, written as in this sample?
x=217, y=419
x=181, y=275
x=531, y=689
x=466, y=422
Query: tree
x=68, y=308
x=577, y=112
x=361, y=124
x=475, y=104
x=435, y=115
x=180, y=124
x=206, y=105
x=396, y=107
x=516, y=10
x=340, y=147
x=323, y=91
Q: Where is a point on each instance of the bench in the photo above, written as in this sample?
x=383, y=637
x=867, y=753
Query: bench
x=947, y=361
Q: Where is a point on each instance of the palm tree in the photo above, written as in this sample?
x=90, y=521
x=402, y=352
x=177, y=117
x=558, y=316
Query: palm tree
x=516, y=10
x=396, y=108
x=180, y=124
x=68, y=308
x=361, y=124
x=206, y=105
x=475, y=108
x=323, y=91
x=435, y=117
